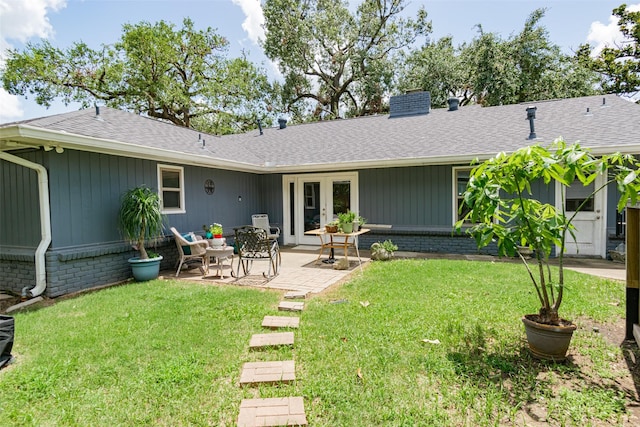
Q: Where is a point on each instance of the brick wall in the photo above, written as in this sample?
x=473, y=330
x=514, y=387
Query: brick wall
x=435, y=241
x=77, y=269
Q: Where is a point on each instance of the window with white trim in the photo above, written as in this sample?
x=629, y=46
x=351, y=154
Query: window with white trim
x=460, y=181
x=171, y=187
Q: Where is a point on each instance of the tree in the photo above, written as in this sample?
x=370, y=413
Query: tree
x=333, y=60
x=436, y=68
x=493, y=71
x=178, y=75
x=620, y=64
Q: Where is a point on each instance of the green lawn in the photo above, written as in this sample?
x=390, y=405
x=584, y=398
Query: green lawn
x=170, y=353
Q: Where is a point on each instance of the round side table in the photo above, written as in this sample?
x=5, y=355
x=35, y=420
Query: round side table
x=222, y=254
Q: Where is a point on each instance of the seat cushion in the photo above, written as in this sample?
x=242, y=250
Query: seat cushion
x=189, y=238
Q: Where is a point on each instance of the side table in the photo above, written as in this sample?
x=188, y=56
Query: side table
x=222, y=254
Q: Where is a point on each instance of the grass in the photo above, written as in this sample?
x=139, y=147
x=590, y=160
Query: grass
x=170, y=353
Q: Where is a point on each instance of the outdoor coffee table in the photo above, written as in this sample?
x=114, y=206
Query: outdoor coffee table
x=222, y=254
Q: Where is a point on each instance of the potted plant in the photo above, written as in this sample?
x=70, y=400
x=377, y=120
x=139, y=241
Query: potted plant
x=345, y=220
x=502, y=209
x=359, y=222
x=215, y=231
x=141, y=220
x=383, y=251
x=331, y=227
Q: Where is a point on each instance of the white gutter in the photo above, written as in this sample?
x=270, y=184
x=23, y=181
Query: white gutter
x=45, y=220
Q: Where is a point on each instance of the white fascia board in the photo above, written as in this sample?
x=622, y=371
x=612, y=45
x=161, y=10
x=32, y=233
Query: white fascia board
x=37, y=136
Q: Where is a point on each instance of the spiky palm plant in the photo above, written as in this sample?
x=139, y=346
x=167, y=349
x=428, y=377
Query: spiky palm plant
x=141, y=218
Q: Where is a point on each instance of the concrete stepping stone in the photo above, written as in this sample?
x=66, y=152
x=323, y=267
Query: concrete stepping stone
x=271, y=340
x=290, y=306
x=268, y=372
x=296, y=295
x=275, y=322
x=274, y=411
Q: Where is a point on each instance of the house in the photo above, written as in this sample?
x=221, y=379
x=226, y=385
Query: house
x=62, y=176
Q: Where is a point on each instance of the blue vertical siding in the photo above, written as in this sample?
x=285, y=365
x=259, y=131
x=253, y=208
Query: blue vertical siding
x=19, y=204
x=418, y=196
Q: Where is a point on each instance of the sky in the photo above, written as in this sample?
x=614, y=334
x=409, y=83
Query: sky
x=97, y=22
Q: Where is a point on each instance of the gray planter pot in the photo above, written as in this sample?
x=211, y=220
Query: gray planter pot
x=145, y=269
x=547, y=342
x=7, y=328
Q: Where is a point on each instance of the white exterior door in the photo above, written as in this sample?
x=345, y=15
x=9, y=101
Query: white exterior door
x=311, y=201
x=590, y=222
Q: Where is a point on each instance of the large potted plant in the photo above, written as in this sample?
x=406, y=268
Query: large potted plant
x=501, y=209
x=141, y=221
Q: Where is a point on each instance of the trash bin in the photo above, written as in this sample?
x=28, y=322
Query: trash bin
x=7, y=327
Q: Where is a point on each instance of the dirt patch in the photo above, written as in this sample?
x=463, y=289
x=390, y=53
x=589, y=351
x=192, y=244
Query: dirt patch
x=8, y=302
x=582, y=373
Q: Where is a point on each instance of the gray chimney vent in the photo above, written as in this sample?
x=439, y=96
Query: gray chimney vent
x=282, y=123
x=410, y=104
x=531, y=116
x=453, y=103
x=260, y=126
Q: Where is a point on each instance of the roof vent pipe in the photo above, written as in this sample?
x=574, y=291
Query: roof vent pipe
x=260, y=126
x=282, y=123
x=98, y=117
x=453, y=103
x=531, y=116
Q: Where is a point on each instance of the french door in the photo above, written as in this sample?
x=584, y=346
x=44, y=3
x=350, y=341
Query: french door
x=311, y=201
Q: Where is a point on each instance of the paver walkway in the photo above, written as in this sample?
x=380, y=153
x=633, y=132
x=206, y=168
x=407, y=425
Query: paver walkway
x=275, y=322
x=291, y=306
x=286, y=411
x=296, y=295
x=268, y=372
x=271, y=340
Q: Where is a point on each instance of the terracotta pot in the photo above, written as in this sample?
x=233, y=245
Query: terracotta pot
x=548, y=342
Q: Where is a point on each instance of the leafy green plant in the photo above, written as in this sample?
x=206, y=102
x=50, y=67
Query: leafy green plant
x=347, y=217
x=503, y=210
x=140, y=217
x=382, y=251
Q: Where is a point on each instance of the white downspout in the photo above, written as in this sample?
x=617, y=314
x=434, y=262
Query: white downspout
x=45, y=220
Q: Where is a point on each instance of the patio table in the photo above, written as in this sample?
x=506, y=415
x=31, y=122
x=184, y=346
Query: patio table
x=346, y=241
x=221, y=253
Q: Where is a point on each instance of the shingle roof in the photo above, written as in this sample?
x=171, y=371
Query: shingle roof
x=441, y=136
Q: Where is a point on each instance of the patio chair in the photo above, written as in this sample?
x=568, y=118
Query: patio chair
x=262, y=221
x=191, y=250
x=253, y=244
x=273, y=233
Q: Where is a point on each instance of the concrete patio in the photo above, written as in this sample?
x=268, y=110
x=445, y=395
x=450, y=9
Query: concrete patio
x=301, y=274
x=298, y=272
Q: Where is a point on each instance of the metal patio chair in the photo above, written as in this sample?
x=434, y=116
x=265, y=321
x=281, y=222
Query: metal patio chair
x=253, y=244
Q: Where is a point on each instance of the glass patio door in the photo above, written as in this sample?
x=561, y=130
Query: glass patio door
x=311, y=201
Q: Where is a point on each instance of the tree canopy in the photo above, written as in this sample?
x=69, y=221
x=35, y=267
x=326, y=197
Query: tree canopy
x=334, y=60
x=178, y=75
x=620, y=64
x=491, y=70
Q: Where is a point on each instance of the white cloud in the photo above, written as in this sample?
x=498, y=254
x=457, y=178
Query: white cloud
x=21, y=20
x=10, y=109
x=602, y=35
x=253, y=23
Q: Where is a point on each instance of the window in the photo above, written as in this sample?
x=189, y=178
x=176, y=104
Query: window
x=171, y=185
x=460, y=181
x=577, y=194
x=310, y=195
